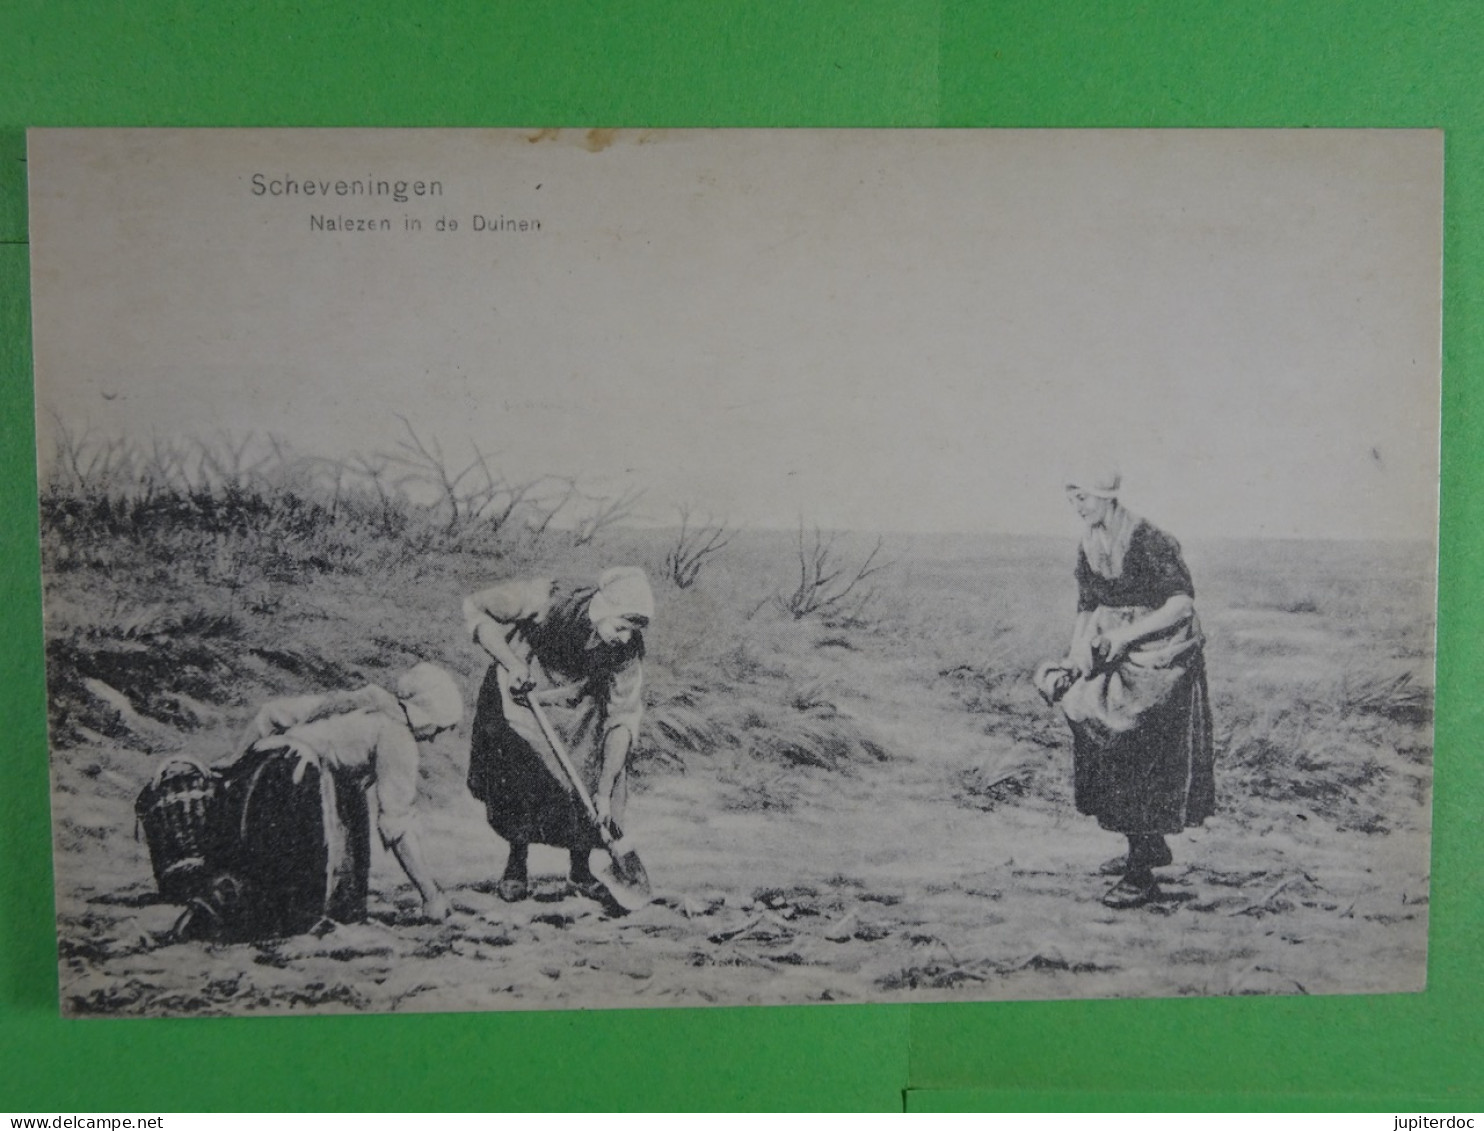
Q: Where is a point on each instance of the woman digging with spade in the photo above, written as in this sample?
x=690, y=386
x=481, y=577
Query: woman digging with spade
x=578, y=649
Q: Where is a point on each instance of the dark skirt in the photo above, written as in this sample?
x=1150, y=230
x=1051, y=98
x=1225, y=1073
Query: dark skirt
x=1158, y=777
x=290, y=852
x=524, y=800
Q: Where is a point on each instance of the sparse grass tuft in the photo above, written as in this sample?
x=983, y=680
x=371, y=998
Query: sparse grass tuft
x=1395, y=698
x=986, y=791
x=1338, y=749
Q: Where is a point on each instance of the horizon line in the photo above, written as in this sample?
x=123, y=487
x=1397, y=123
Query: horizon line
x=764, y=528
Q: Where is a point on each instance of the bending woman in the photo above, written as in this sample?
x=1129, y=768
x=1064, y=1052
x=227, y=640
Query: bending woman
x=580, y=648
x=1133, y=688
x=366, y=741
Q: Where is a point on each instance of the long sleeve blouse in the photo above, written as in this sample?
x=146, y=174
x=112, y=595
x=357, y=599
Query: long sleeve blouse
x=1153, y=572
x=364, y=741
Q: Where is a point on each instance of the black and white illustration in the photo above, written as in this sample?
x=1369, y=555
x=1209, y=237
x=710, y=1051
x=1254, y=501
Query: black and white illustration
x=588, y=569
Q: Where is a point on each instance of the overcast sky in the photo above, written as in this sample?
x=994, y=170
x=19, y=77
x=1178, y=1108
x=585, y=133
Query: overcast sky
x=911, y=330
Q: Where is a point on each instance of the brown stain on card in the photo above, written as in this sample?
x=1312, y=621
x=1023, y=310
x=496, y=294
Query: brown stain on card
x=594, y=141
x=599, y=140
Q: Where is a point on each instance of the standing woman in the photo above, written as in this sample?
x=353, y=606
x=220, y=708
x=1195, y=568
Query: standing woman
x=578, y=648
x=1133, y=688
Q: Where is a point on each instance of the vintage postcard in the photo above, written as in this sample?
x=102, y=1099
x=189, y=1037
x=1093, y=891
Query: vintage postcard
x=535, y=569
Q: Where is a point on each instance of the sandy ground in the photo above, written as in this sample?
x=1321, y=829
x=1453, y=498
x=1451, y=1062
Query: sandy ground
x=877, y=882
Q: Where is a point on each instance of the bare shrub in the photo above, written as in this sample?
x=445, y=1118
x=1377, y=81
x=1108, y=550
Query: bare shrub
x=475, y=496
x=239, y=510
x=82, y=465
x=692, y=549
x=373, y=472
x=825, y=586
x=115, y=467
x=598, y=512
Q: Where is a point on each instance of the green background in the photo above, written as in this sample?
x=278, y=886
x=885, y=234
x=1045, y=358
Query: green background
x=1170, y=63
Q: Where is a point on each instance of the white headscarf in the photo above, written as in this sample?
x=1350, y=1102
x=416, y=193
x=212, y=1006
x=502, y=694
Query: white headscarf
x=1103, y=482
x=1106, y=542
x=430, y=696
x=622, y=592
